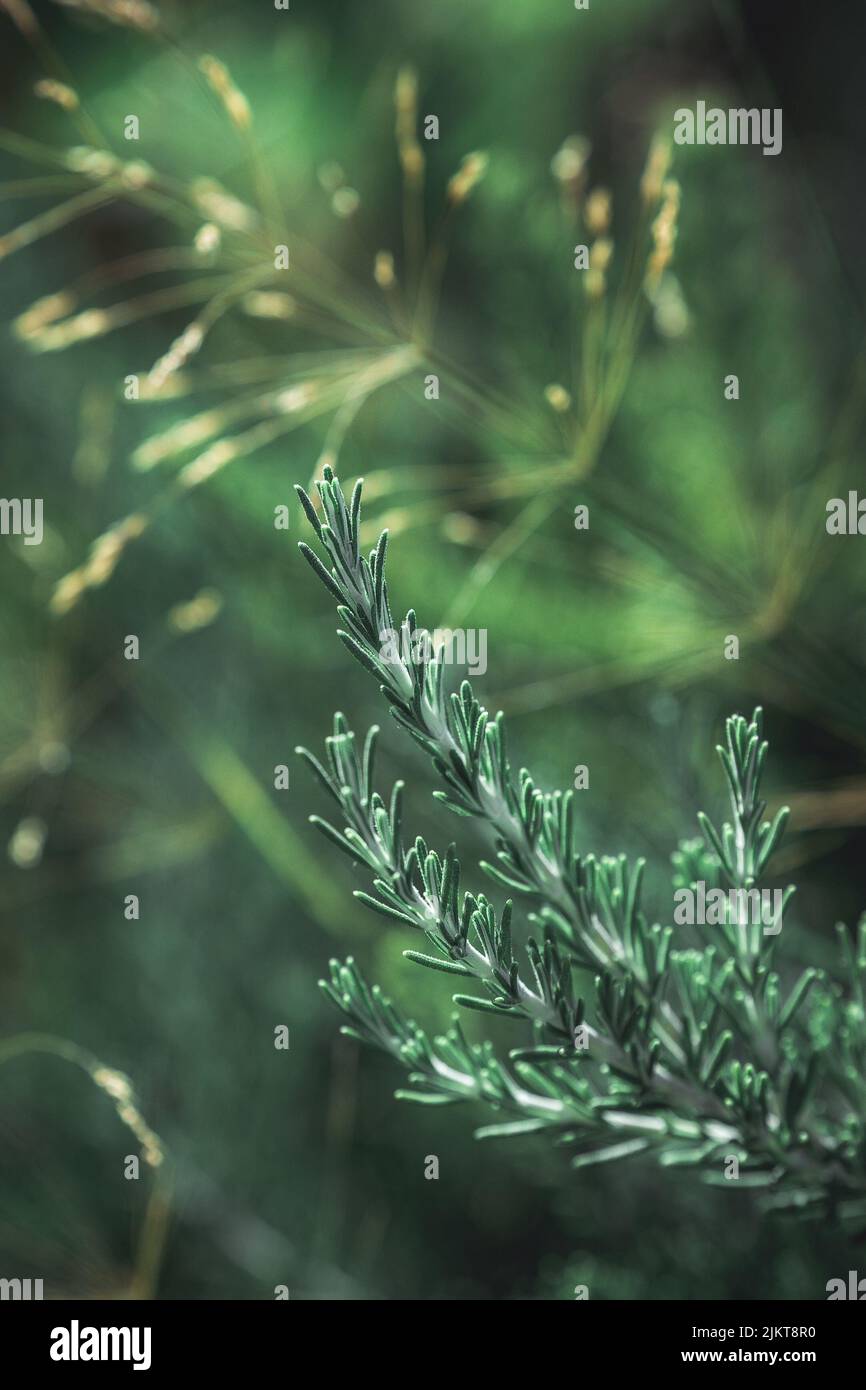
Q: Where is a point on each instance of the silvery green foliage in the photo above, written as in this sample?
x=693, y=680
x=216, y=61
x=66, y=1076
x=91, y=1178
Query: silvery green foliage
x=695, y=1056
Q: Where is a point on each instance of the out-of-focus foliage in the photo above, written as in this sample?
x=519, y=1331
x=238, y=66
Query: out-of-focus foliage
x=156, y=778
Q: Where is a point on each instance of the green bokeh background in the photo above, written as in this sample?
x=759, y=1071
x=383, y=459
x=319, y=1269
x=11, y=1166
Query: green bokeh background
x=605, y=648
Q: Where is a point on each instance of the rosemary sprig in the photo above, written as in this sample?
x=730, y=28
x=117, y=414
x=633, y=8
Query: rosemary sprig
x=699, y=1054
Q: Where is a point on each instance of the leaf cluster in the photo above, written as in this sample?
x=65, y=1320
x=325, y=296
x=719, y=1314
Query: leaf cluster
x=697, y=1054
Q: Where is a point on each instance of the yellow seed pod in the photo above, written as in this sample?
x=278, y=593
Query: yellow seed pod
x=236, y=105
x=383, y=270
x=597, y=211
x=470, y=173
x=601, y=254
x=655, y=171
x=58, y=92
x=557, y=397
